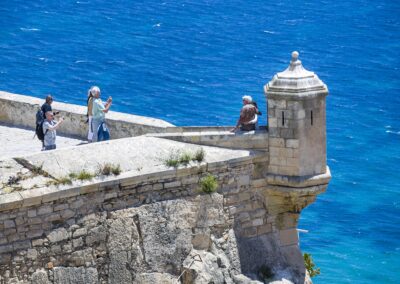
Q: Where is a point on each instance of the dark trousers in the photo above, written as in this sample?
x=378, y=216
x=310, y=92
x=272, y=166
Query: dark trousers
x=248, y=127
x=49, y=147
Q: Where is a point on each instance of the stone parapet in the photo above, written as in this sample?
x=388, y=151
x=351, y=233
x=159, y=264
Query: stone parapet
x=19, y=110
x=218, y=137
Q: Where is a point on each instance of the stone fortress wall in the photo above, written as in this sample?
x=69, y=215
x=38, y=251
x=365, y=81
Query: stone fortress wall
x=149, y=224
x=19, y=110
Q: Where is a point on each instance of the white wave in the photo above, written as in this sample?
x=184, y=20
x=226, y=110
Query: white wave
x=122, y=62
x=393, y=132
x=157, y=25
x=44, y=59
x=29, y=29
x=81, y=61
x=269, y=32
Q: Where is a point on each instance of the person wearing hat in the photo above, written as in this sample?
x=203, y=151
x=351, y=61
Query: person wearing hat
x=248, y=116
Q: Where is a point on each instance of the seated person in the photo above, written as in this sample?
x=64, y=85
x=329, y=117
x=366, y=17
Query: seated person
x=248, y=116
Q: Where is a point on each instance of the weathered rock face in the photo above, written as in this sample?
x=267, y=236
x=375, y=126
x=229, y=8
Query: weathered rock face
x=192, y=240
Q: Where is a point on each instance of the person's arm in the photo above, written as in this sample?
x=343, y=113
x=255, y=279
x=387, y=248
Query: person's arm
x=239, y=122
x=55, y=126
x=107, y=105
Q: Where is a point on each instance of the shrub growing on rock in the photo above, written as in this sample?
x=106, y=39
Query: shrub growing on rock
x=310, y=265
x=209, y=184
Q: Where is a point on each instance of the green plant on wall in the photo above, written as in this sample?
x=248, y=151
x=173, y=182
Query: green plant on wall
x=310, y=265
x=208, y=184
x=176, y=157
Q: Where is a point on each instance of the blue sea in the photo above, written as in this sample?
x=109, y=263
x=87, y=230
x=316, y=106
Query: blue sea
x=190, y=62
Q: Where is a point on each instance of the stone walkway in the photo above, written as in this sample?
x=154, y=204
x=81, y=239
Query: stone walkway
x=19, y=141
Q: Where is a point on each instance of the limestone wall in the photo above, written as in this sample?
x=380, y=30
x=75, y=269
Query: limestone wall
x=148, y=228
x=21, y=110
x=219, y=137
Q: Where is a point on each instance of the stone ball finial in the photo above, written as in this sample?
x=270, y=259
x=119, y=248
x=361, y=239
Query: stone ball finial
x=295, y=55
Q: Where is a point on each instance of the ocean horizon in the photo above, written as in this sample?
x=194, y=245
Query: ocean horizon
x=190, y=62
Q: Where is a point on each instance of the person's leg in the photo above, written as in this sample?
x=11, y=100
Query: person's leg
x=95, y=128
x=90, y=131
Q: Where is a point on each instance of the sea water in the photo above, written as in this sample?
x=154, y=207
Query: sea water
x=190, y=62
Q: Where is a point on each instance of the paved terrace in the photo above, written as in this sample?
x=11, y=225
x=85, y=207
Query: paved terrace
x=16, y=142
x=137, y=156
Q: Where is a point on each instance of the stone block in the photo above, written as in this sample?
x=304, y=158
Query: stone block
x=250, y=232
x=244, y=196
x=6, y=248
x=22, y=245
x=38, y=242
x=293, y=105
x=53, y=217
x=281, y=104
x=60, y=207
x=10, y=201
x=288, y=237
x=9, y=224
x=58, y=235
x=300, y=114
x=172, y=184
x=286, y=132
x=157, y=186
x=264, y=229
x=45, y=209
x=243, y=180
x=32, y=213
x=258, y=222
x=277, y=161
x=34, y=234
x=35, y=221
x=66, y=214
x=111, y=195
x=77, y=204
x=272, y=122
x=10, y=231
x=243, y=217
x=258, y=213
x=292, y=143
x=80, y=232
x=276, y=142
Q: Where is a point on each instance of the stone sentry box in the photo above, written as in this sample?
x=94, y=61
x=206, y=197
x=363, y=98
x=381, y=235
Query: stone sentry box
x=296, y=119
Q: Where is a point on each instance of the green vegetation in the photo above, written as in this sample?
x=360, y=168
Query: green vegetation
x=173, y=159
x=64, y=180
x=84, y=175
x=208, y=184
x=265, y=273
x=185, y=158
x=199, y=155
x=177, y=158
x=108, y=169
x=310, y=266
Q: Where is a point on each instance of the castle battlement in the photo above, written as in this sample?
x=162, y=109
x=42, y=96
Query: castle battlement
x=148, y=223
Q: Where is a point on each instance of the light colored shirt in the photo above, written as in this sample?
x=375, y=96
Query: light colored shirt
x=49, y=135
x=98, y=108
